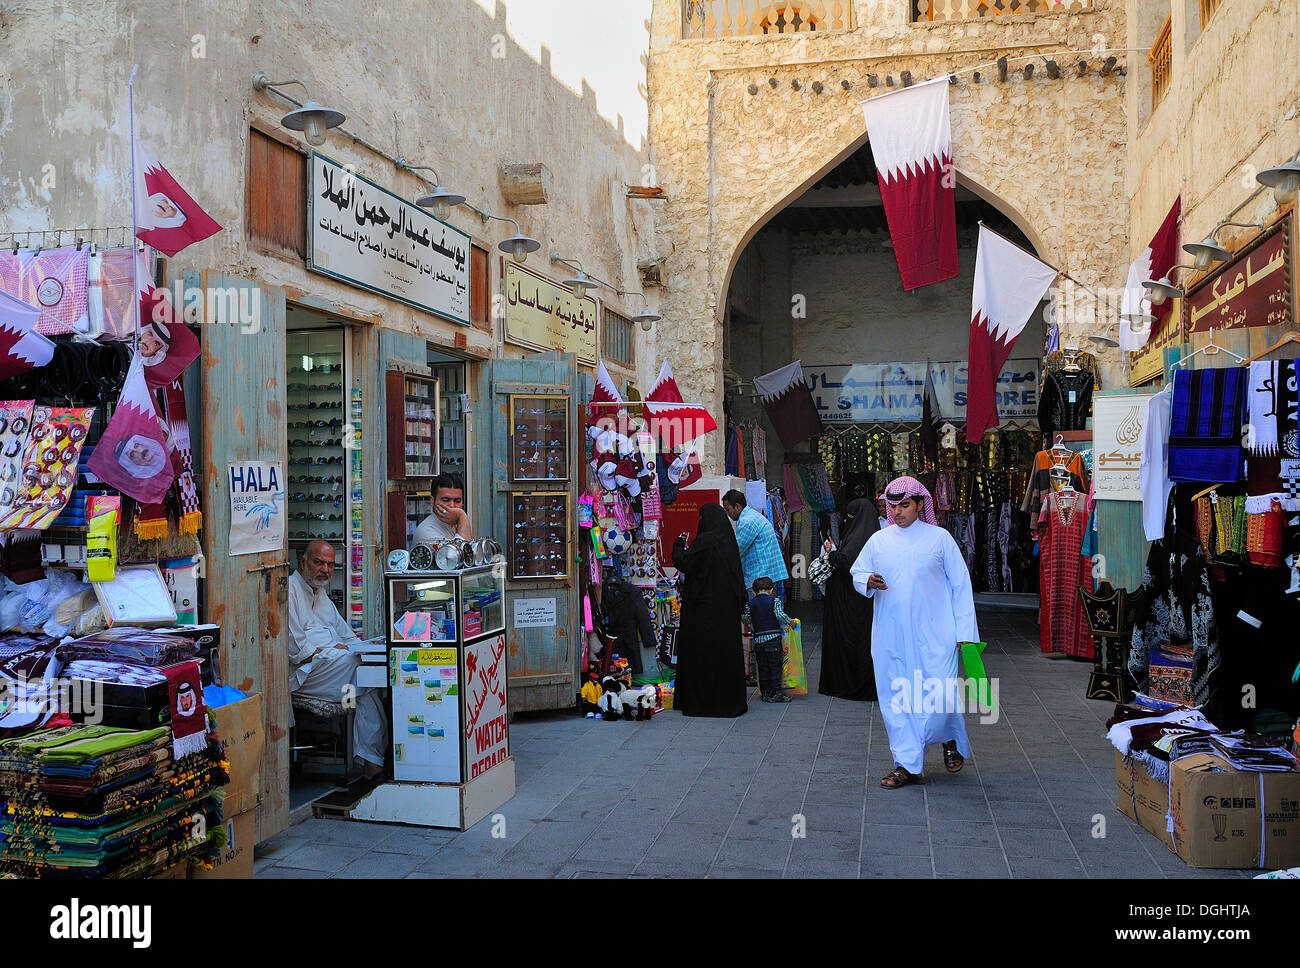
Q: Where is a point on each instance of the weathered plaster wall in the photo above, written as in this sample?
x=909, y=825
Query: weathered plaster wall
x=1048, y=153
x=1233, y=108
x=445, y=102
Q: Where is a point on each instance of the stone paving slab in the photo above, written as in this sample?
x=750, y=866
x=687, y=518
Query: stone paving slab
x=785, y=791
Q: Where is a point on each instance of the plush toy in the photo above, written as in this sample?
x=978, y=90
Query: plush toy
x=640, y=698
x=589, y=696
x=611, y=701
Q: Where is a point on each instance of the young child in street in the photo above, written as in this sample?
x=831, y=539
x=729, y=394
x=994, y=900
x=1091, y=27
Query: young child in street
x=766, y=618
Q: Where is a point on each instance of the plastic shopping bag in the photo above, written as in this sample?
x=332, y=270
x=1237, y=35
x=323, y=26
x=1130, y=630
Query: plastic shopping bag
x=972, y=663
x=796, y=677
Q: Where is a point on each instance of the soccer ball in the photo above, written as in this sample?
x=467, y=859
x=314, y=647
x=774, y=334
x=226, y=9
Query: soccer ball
x=618, y=542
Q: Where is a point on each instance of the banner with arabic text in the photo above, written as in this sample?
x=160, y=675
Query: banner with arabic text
x=543, y=315
x=1117, y=424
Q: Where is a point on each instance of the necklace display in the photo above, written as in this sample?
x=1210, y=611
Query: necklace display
x=1065, y=511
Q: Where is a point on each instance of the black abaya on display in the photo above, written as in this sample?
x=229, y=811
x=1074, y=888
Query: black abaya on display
x=710, y=657
x=847, y=670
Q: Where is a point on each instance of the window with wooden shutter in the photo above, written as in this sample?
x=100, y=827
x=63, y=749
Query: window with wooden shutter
x=480, y=289
x=276, y=195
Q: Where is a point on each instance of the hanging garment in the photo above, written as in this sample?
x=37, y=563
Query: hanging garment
x=55, y=281
x=1066, y=401
x=1041, y=481
x=853, y=451
x=878, y=445
x=732, y=468
x=964, y=535
x=1153, y=476
x=927, y=608
x=846, y=668
x=898, y=452
x=1176, y=610
x=828, y=449
x=1263, y=398
x=627, y=619
x=760, y=454
x=1109, y=613
x=1264, y=537
x=1004, y=545
x=992, y=555
x=1062, y=571
x=793, y=497
x=1205, y=425
x=945, y=493
x=740, y=453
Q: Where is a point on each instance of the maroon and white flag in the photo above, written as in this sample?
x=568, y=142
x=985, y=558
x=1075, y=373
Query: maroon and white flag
x=167, y=345
x=22, y=348
x=673, y=421
x=1154, y=263
x=911, y=141
x=789, y=403
x=166, y=217
x=132, y=455
x=605, y=396
x=1009, y=284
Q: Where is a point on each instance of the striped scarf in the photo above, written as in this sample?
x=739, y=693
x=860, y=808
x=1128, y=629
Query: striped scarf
x=1205, y=427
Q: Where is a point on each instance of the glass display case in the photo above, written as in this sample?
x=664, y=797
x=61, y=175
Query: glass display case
x=316, y=500
x=453, y=427
x=445, y=606
x=539, y=438
x=539, y=525
x=413, y=415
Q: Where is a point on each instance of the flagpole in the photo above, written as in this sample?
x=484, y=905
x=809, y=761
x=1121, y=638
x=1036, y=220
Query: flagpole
x=135, y=261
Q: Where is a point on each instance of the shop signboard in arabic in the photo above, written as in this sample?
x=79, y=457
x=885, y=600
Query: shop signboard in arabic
x=1254, y=289
x=542, y=315
x=369, y=237
x=894, y=392
x=1118, y=421
x=1149, y=362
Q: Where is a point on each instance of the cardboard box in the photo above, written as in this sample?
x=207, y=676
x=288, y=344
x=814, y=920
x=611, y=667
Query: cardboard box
x=1142, y=798
x=177, y=872
x=1224, y=817
x=236, y=860
x=240, y=727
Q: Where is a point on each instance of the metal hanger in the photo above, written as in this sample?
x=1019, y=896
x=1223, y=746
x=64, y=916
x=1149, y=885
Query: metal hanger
x=1209, y=349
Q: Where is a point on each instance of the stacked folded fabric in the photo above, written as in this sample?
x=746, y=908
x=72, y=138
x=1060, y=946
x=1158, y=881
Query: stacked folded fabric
x=101, y=801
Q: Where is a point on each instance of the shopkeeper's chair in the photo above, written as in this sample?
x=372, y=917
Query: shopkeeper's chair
x=339, y=720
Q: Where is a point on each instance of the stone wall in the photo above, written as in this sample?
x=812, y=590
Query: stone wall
x=1232, y=109
x=451, y=91
x=1048, y=153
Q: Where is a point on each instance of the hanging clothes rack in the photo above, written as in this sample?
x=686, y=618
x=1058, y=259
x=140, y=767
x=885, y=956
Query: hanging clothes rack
x=1209, y=349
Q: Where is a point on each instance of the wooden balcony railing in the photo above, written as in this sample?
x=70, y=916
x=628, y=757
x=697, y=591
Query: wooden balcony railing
x=928, y=10
x=1161, y=58
x=748, y=18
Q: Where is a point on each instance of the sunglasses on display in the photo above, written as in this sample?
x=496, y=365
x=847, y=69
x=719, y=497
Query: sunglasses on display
x=302, y=516
x=312, y=479
x=315, y=386
x=332, y=442
x=316, y=424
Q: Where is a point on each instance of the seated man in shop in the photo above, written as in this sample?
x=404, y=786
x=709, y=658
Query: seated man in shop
x=448, y=519
x=321, y=665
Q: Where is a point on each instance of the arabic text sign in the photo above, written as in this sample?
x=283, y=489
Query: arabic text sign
x=1149, y=362
x=371, y=238
x=888, y=392
x=1252, y=290
x=531, y=613
x=256, y=506
x=487, y=720
x=542, y=315
x=1117, y=422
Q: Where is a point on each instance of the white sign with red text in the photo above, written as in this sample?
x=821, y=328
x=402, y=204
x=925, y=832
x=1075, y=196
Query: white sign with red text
x=487, y=720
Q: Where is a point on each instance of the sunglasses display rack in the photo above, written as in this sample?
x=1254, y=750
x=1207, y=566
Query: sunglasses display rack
x=539, y=438
x=452, y=427
x=539, y=534
x=316, y=490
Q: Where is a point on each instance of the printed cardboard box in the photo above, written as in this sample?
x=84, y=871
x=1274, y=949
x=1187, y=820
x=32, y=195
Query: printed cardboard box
x=240, y=727
x=1224, y=817
x=236, y=859
x=1142, y=798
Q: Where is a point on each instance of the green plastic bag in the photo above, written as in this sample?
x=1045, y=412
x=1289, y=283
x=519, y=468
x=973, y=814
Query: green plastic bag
x=795, y=676
x=972, y=663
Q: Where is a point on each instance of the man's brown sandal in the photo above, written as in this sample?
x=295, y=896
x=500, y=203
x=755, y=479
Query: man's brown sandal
x=952, y=760
x=899, y=777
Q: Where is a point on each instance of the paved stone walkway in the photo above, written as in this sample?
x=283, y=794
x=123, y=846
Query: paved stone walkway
x=722, y=798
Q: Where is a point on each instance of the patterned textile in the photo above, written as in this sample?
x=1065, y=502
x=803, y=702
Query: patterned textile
x=853, y=451
x=54, y=281
x=1004, y=545
x=878, y=447
x=1264, y=538
x=1063, y=570
x=828, y=449
x=793, y=497
x=1109, y=614
x=992, y=557
x=760, y=454
x=760, y=552
x=1205, y=425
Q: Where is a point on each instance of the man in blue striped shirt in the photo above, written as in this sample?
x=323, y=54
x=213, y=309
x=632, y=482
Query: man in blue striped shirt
x=760, y=549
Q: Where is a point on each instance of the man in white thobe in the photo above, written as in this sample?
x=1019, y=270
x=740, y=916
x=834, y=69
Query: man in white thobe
x=923, y=610
x=321, y=664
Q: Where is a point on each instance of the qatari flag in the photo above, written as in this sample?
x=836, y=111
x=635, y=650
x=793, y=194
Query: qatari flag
x=789, y=403
x=132, y=455
x=672, y=420
x=22, y=348
x=911, y=141
x=167, y=345
x=605, y=394
x=166, y=217
x=1009, y=284
x=1154, y=263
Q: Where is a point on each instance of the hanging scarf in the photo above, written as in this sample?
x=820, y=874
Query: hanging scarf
x=1262, y=404
x=187, y=489
x=1205, y=425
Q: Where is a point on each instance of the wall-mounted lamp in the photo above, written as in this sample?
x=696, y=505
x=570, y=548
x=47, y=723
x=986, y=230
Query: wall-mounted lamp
x=312, y=119
x=1284, y=180
x=645, y=317
x=518, y=245
x=1159, y=290
x=441, y=200
x=1104, y=338
x=1208, y=250
x=581, y=281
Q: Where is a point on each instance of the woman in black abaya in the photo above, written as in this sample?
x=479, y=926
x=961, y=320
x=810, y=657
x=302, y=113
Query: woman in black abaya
x=710, y=657
x=847, y=670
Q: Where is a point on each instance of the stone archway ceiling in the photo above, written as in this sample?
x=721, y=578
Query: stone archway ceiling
x=847, y=200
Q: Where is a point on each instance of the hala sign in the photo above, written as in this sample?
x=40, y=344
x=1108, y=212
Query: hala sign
x=369, y=237
x=884, y=392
